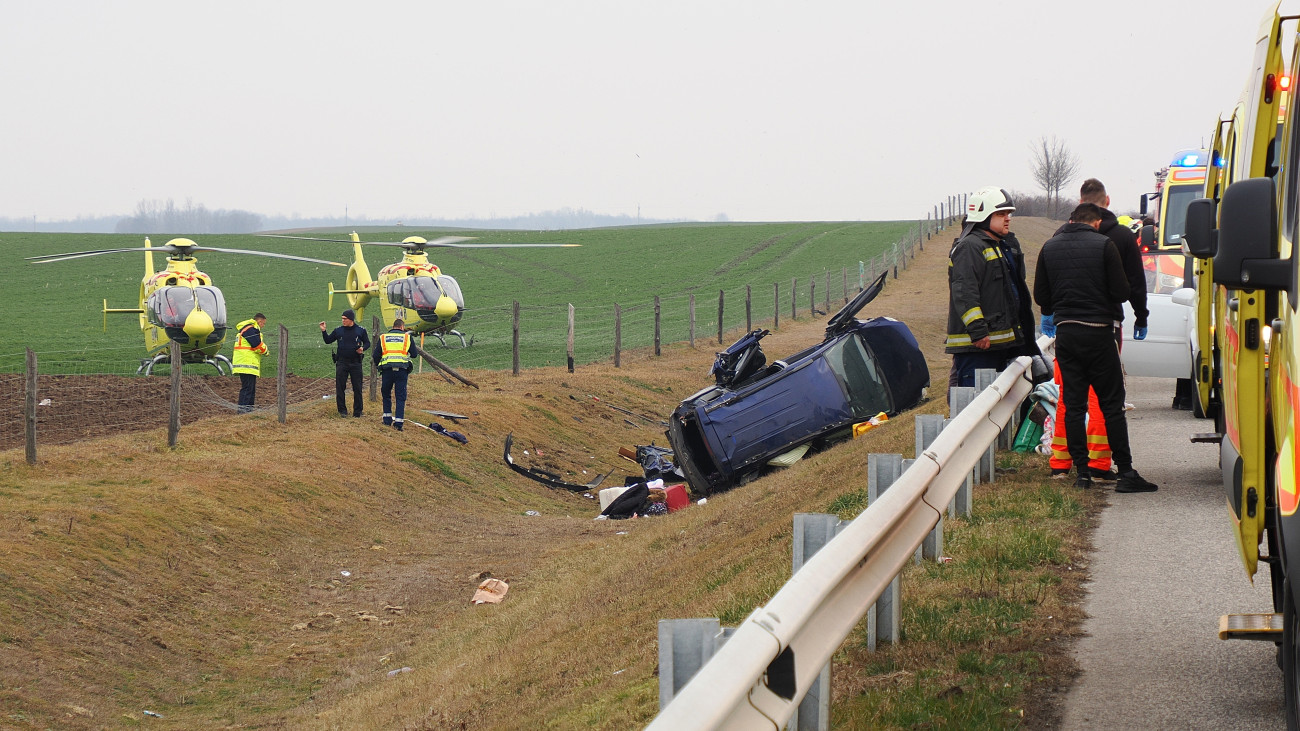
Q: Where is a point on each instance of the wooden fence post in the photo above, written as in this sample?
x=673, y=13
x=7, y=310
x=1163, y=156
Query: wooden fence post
x=794, y=293
x=812, y=296
x=721, y=295
x=174, y=421
x=514, y=334
x=846, y=285
x=618, y=336
x=29, y=408
x=776, y=305
x=657, y=332
x=281, y=375
x=692, y=306
x=828, y=292
x=570, y=353
x=749, y=309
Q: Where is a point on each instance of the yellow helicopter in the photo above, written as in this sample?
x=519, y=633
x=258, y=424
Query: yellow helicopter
x=179, y=303
x=413, y=289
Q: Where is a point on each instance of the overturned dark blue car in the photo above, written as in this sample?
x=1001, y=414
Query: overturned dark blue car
x=759, y=415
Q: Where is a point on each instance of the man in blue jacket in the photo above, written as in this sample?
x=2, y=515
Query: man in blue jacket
x=353, y=342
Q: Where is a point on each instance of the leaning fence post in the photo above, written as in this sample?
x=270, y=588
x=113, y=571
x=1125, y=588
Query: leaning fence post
x=776, y=305
x=570, y=341
x=29, y=408
x=828, y=292
x=721, y=296
x=812, y=531
x=281, y=376
x=514, y=341
x=846, y=285
x=618, y=336
x=794, y=294
x=174, y=420
x=685, y=645
x=882, y=471
x=657, y=325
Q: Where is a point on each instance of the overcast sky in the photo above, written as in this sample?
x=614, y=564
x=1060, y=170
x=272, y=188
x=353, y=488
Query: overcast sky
x=756, y=109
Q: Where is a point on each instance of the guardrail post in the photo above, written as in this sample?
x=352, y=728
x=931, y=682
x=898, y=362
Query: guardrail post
x=812, y=531
x=282, y=376
x=684, y=646
x=959, y=397
x=932, y=545
x=882, y=471
x=928, y=428
x=984, y=377
x=29, y=407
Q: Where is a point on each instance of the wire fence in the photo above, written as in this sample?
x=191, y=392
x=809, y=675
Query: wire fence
x=85, y=393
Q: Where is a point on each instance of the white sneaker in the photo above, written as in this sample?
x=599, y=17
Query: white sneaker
x=1128, y=406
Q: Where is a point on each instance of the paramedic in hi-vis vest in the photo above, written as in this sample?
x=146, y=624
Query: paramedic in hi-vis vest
x=249, y=349
x=393, y=351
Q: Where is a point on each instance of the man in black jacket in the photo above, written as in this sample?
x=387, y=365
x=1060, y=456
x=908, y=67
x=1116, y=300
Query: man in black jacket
x=1079, y=281
x=353, y=342
x=1092, y=191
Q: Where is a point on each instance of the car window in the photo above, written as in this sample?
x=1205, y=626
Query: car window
x=856, y=369
x=1164, y=272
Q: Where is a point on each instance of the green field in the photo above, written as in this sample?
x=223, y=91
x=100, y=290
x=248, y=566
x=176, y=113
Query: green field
x=55, y=309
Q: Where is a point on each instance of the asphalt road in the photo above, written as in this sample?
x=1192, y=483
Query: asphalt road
x=1163, y=571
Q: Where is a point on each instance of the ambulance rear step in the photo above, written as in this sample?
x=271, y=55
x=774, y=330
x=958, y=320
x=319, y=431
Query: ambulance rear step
x=1266, y=627
x=1208, y=437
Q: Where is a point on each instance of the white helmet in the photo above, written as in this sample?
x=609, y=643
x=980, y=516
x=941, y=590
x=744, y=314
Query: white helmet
x=987, y=201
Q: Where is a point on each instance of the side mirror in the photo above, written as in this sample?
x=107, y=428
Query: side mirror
x=1246, y=256
x=1185, y=297
x=1147, y=239
x=1201, y=239
x=1142, y=205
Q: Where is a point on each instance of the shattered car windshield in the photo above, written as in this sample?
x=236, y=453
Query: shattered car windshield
x=856, y=370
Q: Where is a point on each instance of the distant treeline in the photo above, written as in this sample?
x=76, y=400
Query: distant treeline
x=166, y=217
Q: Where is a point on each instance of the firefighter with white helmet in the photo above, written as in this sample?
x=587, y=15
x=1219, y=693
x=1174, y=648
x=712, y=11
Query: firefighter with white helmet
x=990, y=320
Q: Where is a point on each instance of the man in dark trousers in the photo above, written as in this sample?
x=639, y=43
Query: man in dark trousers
x=247, y=361
x=353, y=342
x=393, y=352
x=1078, y=282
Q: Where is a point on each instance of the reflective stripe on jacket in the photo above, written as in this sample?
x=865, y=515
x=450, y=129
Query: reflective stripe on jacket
x=248, y=358
x=396, y=348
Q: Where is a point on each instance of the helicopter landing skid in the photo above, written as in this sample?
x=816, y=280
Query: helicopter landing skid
x=147, y=365
x=458, y=334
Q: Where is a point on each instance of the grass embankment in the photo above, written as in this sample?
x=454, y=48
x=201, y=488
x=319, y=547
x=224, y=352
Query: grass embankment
x=206, y=583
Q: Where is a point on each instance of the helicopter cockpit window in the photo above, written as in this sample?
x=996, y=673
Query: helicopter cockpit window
x=397, y=293
x=424, y=293
x=169, y=306
x=451, y=289
x=211, y=301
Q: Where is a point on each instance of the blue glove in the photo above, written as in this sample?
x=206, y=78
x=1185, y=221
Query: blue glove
x=1048, y=326
x=1139, y=333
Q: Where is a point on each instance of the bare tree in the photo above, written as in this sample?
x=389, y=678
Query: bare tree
x=1053, y=166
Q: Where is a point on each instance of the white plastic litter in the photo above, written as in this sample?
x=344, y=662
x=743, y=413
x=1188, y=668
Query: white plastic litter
x=345, y=574
x=399, y=671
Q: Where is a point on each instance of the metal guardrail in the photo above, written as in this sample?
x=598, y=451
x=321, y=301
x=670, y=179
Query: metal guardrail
x=757, y=679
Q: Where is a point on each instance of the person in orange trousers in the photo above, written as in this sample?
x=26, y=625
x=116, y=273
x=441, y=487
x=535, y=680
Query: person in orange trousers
x=1098, y=444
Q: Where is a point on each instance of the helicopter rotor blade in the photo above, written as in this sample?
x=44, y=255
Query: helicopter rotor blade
x=304, y=238
x=47, y=258
x=499, y=246
x=270, y=254
x=442, y=242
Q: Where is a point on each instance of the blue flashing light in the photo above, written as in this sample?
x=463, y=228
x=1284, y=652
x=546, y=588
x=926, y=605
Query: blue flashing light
x=1189, y=159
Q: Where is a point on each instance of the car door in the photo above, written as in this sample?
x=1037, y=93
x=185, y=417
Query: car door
x=1166, y=352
